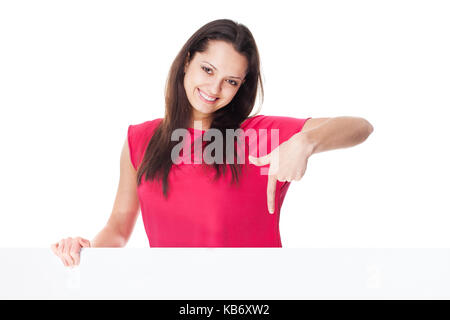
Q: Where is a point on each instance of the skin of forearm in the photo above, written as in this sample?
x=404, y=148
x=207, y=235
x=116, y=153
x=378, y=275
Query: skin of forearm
x=336, y=133
x=108, y=237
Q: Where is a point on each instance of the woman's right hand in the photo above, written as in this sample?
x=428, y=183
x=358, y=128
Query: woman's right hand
x=69, y=250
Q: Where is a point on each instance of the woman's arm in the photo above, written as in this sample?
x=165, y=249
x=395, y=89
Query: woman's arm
x=289, y=160
x=126, y=207
x=323, y=134
x=108, y=237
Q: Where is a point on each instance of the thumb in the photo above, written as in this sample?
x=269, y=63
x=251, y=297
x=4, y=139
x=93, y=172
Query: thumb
x=85, y=243
x=261, y=161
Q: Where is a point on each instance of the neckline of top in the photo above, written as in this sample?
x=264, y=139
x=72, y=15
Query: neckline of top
x=194, y=129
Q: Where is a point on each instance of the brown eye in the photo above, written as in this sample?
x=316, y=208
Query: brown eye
x=206, y=69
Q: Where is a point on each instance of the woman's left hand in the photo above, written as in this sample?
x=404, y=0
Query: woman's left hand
x=287, y=162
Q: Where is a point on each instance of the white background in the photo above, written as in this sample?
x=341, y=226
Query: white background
x=74, y=75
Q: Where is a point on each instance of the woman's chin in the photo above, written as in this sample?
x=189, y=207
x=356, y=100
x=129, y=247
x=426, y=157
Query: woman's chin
x=204, y=111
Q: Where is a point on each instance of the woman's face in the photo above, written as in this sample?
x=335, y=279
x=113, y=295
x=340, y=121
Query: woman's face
x=216, y=73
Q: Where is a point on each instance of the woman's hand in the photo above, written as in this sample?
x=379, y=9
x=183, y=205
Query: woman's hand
x=287, y=162
x=69, y=250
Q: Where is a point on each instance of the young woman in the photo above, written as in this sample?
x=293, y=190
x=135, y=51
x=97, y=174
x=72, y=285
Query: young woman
x=187, y=200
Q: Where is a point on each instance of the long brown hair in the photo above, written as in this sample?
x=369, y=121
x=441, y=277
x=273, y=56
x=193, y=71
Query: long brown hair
x=157, y=161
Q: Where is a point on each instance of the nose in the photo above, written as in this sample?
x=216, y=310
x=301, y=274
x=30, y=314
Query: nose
x=215, y=87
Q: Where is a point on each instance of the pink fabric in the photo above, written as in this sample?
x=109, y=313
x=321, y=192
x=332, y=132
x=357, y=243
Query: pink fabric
x=200, y=212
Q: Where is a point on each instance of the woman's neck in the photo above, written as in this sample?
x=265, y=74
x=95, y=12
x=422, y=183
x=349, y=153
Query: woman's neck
x=202, y=124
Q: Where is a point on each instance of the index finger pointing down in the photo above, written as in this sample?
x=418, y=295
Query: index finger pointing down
x=271, y=190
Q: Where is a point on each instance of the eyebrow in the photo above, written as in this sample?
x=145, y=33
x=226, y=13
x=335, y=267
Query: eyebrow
x=216, y=69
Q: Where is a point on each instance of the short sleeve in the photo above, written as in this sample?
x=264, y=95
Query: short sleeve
x=274, y=129
x=131, y=144
x=138, y=137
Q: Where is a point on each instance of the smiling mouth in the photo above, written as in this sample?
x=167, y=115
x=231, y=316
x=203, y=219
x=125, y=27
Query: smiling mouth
x=203, y=97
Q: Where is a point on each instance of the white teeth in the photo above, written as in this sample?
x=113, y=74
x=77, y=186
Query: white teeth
x=206, y=97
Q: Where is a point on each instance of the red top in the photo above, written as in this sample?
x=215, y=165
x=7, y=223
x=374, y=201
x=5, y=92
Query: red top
x=201, y=212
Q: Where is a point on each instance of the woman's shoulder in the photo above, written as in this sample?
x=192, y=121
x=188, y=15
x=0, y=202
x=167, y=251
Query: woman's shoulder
x=143, y=129
x=260, y=121
x=283, y=123
x=251, y=120
x=146, y=124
